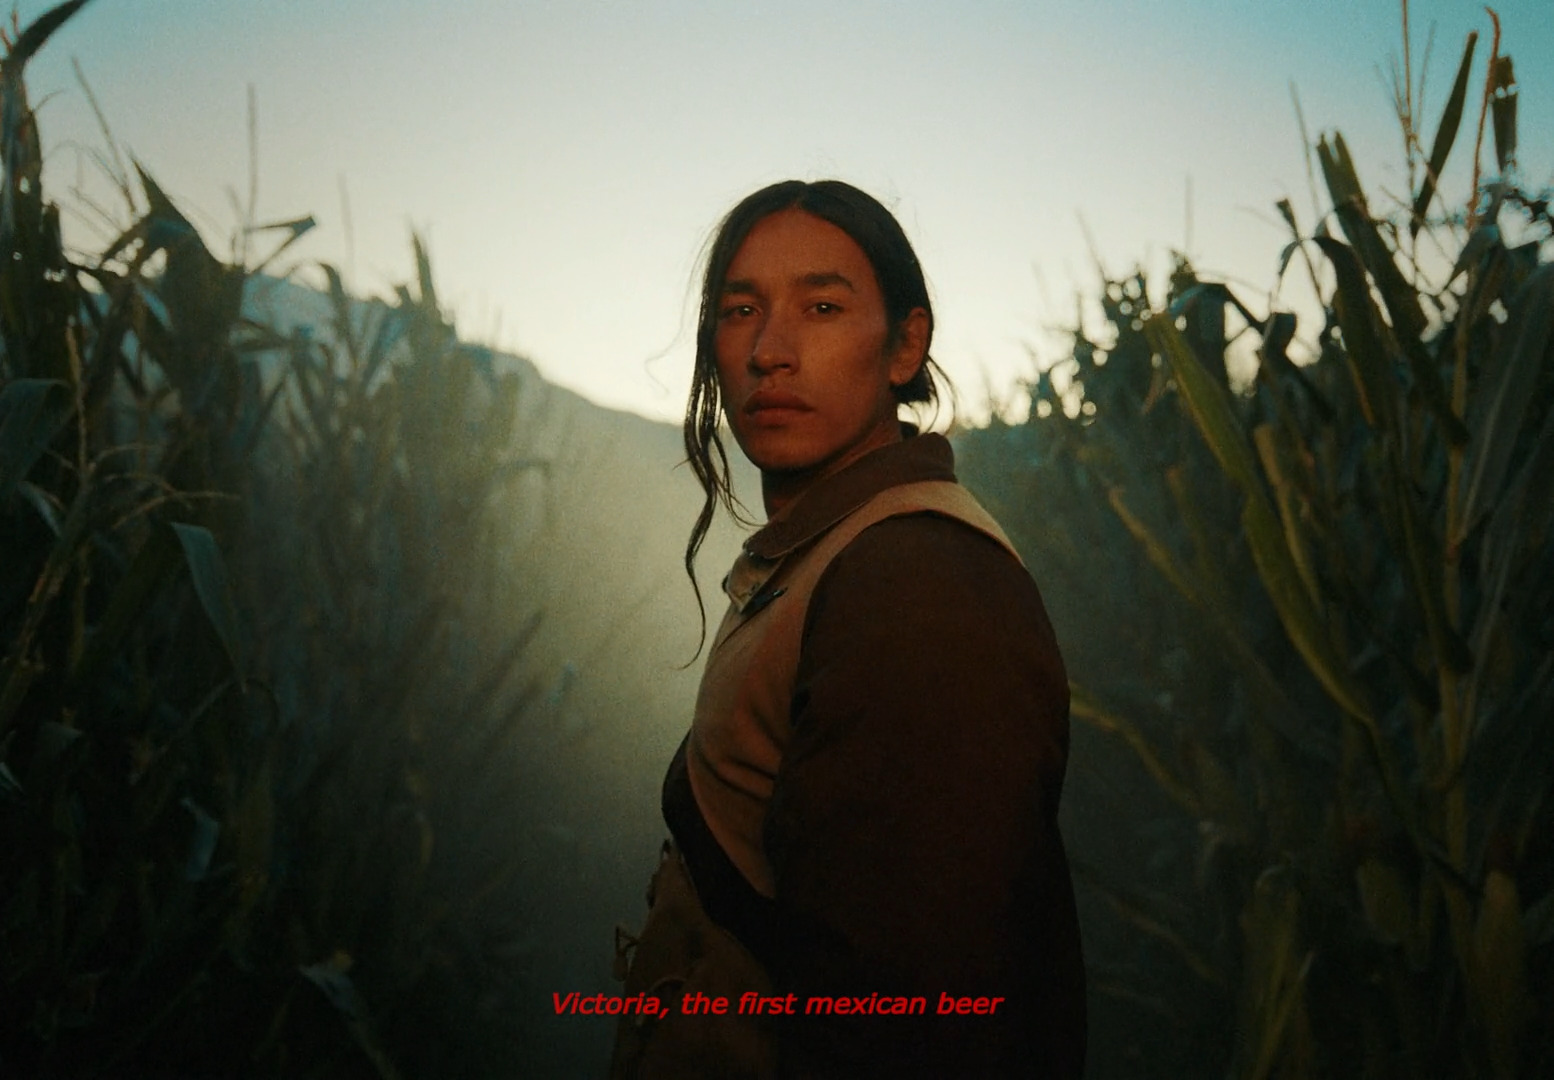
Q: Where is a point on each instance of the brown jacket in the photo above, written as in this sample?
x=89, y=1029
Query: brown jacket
x=909, y=795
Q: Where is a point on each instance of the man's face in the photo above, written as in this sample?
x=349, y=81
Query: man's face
x=801, y=350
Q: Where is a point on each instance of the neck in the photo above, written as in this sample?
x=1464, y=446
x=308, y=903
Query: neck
x=780, y=488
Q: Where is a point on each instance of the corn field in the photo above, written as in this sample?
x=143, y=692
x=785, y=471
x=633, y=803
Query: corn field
x=1315, y=617
x=237, y=615
x=263, y=712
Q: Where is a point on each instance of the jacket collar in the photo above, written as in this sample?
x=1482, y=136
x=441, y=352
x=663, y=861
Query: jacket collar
x=916, y=457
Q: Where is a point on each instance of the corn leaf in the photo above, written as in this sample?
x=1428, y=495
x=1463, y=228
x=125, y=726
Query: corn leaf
x=1276, y=468
x=1279, y=711
x=1274, y=979
x=1424, y=563
x=1343, y=184
x=1538, y=921
x=202, y=843
x=134, y=593
x=32, y=412
x=1488, y=453
x=1484, y=239
x=32, y=39
x=1140, y=911
x=19, y=669
x=1083, y=706
x=295, y=230
x=208, y=572
x=1359, y=320
x=1500, y=970
x=1445, y=135
x=1207, y=401
x=1210, y=408
x=1502, y=105
x=1385, y=899
x=331, y=978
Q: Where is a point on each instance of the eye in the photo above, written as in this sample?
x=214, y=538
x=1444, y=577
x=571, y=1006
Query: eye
x=736, y=310
x=825, y=307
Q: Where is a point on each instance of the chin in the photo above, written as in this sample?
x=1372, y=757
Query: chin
x=779, y=454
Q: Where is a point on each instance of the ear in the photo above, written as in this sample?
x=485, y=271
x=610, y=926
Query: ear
x=911, y=348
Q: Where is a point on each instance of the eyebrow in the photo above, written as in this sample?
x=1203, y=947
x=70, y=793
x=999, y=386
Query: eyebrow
x=815, y=279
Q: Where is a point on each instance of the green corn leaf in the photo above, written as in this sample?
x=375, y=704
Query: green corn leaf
x=202, y=843
x=1538, y=921
x=1141, y=911
x=388, y=330
x=1276, y=468
x=164, y=226
x=1424, y=564
x=1287, y=212
x=1214, y=291
x=1221, y=798
x=1490, y=444
x=1500, y=970
x=423, y=268
x=252, y=822
x=1402, y=302
x=54, y=741
x=1207, y=400
x=1207, y=560
x=1374, y=257
x=203, y=295
x=132, y=235
x=208, y=572
x=1428, y=379
x=340, y=307
x=32, y=39
x=19, y=668
x=32, y=413
x=1528, y=500
x=258, y=337
x=1301, y=622
x=1085, y=707
x=1445, y=135
x=294, y=227
x=295, y=230
x=1276, y=365
x=339, y=301
x=1359, y=320
x=331, y=978
x=1279, y=712
x=1286, y=253
x=1275, y=972
x=1385, y=899
x=1349, y=204
x=1209, y=404
x=134, y=593
x=1277, y=331
x=1481, y=241
x=1156, y=551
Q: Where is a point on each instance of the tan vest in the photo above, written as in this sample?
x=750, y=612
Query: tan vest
x=742, y=724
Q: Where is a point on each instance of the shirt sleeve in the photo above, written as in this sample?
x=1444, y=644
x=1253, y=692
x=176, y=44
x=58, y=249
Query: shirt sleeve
x=913, y=824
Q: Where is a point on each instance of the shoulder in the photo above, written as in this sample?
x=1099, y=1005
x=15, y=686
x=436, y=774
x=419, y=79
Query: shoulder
x=922, y=626
x=925, y=573
x=931, y=537
x=923, y=556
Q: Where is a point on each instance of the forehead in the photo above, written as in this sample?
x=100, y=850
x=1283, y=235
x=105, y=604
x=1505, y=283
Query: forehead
x=794, y=244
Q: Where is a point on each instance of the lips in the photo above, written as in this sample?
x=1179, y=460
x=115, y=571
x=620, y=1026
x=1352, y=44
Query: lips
x=765, y=400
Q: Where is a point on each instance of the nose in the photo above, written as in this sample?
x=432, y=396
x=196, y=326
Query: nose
x=773, y=348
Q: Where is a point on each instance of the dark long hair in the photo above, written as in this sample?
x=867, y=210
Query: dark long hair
x=875, y=230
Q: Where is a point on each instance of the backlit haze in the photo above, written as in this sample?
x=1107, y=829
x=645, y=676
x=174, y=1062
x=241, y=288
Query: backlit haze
x=567, y=161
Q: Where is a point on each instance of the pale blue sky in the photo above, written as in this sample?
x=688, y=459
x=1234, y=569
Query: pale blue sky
x=567, y=160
